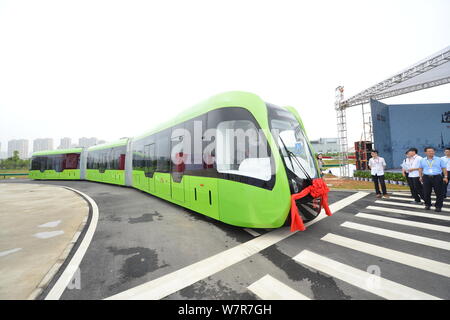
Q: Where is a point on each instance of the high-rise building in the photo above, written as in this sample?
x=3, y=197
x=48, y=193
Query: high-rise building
x=42, y=144
x=65, y=143
x=87, y=142
x=20, y=145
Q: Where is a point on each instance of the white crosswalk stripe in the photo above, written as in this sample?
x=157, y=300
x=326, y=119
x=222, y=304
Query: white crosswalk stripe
x=410, y=199
x=409, y=195
x=361, y=279
x=269, y=288
x=429, y=265
x=422, y=225
x=401, y=204
x=411, y=213
x=399, y=235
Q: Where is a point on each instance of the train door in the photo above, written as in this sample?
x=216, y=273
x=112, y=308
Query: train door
x=150, y=166
x=177, y=148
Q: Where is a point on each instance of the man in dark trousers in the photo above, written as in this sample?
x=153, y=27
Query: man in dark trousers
x=446, y=158
x=433, y=175
x=377, y=165
x=412, y=165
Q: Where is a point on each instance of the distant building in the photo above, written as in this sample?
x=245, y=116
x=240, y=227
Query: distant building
x=65, y=143
x=87, y=142
x=20, y=145
x=101, y=141
x=42, y=144
x=2, y=153
x=325, y=145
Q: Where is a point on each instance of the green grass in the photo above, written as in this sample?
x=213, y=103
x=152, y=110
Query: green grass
x=14, y=170
x=21, y=171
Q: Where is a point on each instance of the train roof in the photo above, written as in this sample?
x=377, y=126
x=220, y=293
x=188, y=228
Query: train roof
x=58, y=151
x=221, y=100
x=108, y=145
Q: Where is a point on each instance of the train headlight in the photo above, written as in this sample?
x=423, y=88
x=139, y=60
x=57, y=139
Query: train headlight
x=294, y=186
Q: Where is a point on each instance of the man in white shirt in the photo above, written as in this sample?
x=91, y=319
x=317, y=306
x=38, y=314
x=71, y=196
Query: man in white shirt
x=377, y=165
x=446, y=158
x=413, y=164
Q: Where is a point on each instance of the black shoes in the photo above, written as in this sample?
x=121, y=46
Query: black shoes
x=427, y=207
x=437, y=210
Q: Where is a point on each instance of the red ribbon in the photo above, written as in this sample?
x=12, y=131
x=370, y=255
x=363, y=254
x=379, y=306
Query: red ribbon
x=316, y=190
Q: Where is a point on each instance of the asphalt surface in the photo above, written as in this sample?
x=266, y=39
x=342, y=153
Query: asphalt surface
x=140, y=238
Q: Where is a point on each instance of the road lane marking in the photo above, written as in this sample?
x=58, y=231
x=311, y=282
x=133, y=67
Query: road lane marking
x=72, y=267
x=184, y=277
x=425, y=264
x=6, y=252
x=252, y=232
x=369, y=282
x=48, y=234
x=411, y=213
x=269, y=288
x=410, y=205
x=398, y=235
x=50, y=224
x=422, y=225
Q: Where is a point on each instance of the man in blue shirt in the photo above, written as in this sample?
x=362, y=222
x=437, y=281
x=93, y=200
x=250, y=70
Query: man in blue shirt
x=446, y=158
x=431, y=169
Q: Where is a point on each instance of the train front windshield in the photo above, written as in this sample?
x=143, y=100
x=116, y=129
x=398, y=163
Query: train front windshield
x=289, y=135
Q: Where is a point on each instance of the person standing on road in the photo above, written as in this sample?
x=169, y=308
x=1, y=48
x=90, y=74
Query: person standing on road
x=413, y=163
x=430, y=172
x=377, y=165
x=446, y=158
x=405, y=173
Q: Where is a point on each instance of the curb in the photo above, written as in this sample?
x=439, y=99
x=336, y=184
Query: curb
x=49, y=276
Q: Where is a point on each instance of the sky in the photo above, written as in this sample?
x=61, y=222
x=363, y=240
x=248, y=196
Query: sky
x=112, y=69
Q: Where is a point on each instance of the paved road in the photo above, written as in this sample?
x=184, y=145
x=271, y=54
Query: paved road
x=143, y=241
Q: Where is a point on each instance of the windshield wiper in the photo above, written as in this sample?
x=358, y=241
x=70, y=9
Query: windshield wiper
x=291, y=156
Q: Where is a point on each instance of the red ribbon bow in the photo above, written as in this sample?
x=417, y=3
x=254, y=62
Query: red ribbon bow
x=316, y=190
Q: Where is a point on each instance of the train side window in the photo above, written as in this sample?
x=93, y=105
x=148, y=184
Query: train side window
x=149, y=159
x=238, y=150
x=194, y=164
x=163, y=151
x=180, y=152
x=121, y=154
x=138, y=155
x=71, y=161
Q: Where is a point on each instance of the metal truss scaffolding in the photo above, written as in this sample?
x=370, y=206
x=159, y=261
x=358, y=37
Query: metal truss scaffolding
x=430, y=72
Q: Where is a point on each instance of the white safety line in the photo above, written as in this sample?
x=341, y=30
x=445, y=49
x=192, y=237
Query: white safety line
x=252, y=232
x=68, y=273
x=406, y=199
x=369, y=282
x=269, y=288
x=6, y=252
x=48, y=234
x=407, y=195
x=411, y=213
x=429, y=265
x=422, y=225
x=410, y=205
x=184, y=277
x=399, y=235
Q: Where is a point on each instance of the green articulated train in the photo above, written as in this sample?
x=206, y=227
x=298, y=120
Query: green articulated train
x=233, y=157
